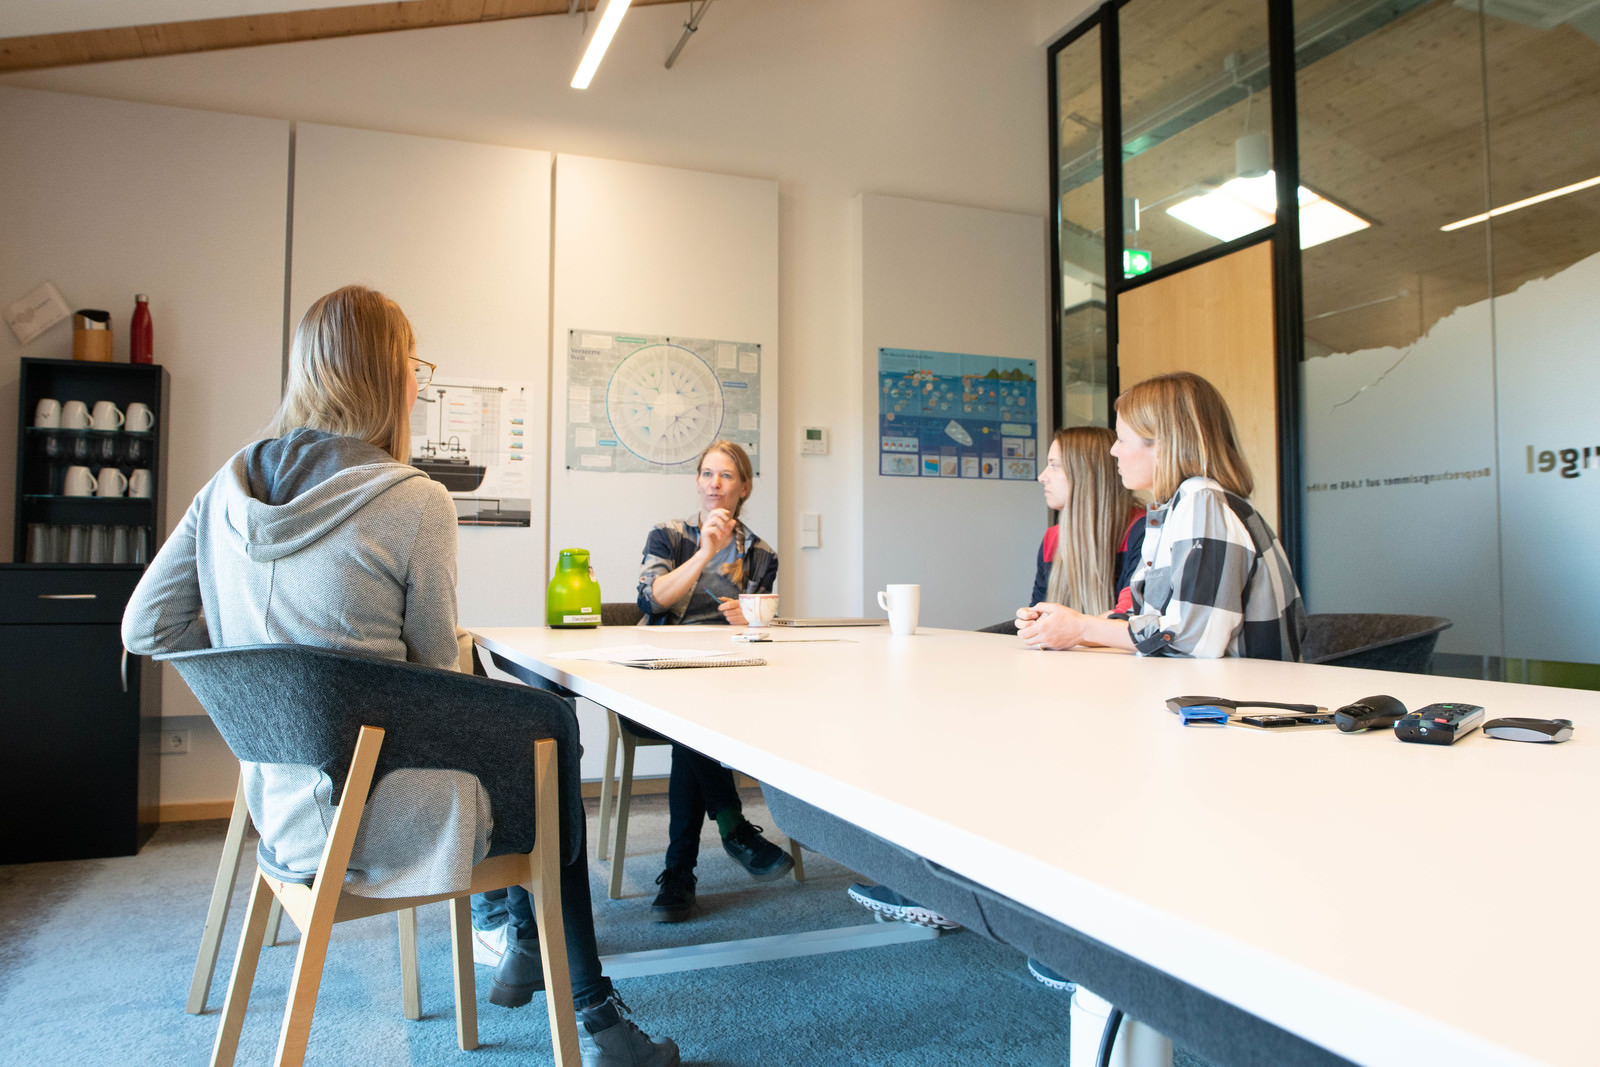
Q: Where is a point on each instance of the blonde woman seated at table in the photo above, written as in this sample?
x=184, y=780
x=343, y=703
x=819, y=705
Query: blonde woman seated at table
x=326, y=535
x=1213, y=580
x=1086, y=559
x=694, y=571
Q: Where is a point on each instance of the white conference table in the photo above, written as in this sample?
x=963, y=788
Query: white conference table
x=1394, y=903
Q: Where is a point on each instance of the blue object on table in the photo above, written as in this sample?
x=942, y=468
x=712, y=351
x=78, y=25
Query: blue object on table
x=1203, y=714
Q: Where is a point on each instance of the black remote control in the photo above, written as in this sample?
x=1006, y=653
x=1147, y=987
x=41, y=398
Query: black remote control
x=1439, y=724
x=1369, y=712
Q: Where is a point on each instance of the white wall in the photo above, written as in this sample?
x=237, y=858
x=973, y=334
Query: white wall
x=951, y=279
x=458, y=235
x=106, y=199
x=941, y=100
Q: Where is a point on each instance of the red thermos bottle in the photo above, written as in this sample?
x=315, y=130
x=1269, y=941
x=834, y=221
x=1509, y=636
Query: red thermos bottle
x=141, y=345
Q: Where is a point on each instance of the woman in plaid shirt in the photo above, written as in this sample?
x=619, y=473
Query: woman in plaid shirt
x=1212, y=579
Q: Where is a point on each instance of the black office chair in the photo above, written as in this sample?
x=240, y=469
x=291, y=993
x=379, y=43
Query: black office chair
x=315, y=707
x=1375, y=642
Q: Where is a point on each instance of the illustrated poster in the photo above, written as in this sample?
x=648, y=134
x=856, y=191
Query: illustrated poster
x=948, y=415
x=652, y=404
x=474, y=436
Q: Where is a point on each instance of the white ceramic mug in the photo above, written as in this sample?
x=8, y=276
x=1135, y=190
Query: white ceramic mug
x=759, y=608
x=78, y=481
x=140, y=419
x=904, y=604
x=47, y=413
x=74, y=415
x=107, y=416
x=139, y=482
x=111, y=482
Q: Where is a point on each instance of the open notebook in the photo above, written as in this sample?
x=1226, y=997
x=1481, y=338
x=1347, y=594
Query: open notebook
x=652, y=657
x=829, y=622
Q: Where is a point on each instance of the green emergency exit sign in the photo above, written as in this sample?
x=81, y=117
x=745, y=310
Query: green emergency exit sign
x=1136, y=261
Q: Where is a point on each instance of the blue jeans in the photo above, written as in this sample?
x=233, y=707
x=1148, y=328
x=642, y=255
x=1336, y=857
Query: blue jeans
x=514, y=907
x=699, y=786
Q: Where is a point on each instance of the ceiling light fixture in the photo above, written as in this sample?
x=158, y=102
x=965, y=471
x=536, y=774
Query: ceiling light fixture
x=598, y=44
x=1565, y=190
x=1245, y=205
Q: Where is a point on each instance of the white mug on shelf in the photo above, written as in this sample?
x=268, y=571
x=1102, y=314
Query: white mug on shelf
x=47, y=413
x=107, y=416
x=140, y=419
x=904, y=604
x=139, y=482
x=78, y=481
x=111, y=482
x=74, y=415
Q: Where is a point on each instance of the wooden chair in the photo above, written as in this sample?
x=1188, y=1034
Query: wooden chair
x=312, y=706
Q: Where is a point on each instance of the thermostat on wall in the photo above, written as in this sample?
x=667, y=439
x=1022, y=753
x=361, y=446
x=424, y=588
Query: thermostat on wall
x=814, y=441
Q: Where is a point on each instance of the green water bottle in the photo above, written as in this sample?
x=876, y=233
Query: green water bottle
x=573, y=598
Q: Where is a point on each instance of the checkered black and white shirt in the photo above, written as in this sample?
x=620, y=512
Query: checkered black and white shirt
x=1213, y=581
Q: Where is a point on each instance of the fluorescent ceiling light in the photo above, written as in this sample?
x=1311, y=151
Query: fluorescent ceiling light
x=1520, y=204
x=1245, y=205
x=598, y=44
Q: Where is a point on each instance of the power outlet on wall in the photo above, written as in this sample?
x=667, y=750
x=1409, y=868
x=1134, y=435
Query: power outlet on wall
x=175, y=742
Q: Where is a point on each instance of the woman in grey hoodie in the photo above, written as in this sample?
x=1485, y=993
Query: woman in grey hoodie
x=325, y=535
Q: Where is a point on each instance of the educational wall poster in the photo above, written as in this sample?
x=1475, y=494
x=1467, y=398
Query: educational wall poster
x=473, y=436
x=948, y=415
x=652, y=404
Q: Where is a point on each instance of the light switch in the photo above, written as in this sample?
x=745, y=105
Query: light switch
x=810, y=529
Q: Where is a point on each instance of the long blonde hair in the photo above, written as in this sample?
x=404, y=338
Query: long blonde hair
x=349, y=369
x=1084, y=572
x=1189, y=422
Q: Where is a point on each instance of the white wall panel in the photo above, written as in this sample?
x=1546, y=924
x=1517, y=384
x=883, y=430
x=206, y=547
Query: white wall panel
x=950, y=279
x=458, y=235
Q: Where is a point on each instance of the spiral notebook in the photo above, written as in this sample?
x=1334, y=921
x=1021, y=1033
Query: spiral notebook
x=655, y=658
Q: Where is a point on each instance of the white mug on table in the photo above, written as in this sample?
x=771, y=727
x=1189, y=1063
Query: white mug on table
x=759, y=608
x=140, y=419
x=139, y=482
x=78, y=481
x=110, y=483
x=74, y=415
x=47, y=413
x=107, y=416
x=904, y=604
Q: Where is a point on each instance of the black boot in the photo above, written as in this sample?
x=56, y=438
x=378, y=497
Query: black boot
x=607, y=1038
x=520, y=974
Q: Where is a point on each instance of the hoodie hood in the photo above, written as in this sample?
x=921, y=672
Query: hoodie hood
x=286, y=493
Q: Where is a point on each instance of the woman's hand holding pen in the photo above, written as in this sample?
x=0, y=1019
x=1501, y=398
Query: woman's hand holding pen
x=731, y=612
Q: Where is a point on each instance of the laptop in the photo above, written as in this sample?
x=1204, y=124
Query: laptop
x=829, y=622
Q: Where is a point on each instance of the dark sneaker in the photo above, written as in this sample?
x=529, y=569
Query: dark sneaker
x=755, y=853
x=891, y=905
x=520, y=974
x=1051, y=978
x=608, y=1038
x=676, y=899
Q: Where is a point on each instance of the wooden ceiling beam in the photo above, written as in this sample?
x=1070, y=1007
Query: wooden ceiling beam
x=244, y=31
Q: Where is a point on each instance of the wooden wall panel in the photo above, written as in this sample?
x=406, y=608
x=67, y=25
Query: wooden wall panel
x=1216, y=320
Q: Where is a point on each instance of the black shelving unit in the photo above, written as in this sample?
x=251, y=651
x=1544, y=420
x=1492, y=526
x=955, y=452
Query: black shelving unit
x=79, y=760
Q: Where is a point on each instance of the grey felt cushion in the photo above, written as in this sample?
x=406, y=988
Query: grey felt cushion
x=300, y=704
x=1194, y=1020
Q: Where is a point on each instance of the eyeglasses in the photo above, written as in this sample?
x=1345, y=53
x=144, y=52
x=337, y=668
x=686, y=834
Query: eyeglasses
x=423, y=371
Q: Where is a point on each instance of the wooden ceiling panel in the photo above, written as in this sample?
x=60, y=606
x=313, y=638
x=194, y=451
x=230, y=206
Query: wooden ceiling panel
x=243, y=31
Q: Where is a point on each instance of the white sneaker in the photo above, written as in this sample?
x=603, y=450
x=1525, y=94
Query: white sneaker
x=488, y=946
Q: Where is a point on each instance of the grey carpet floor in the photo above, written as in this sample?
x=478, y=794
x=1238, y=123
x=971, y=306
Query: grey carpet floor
x=96, y=955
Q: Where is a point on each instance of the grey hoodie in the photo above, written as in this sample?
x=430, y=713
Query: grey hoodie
x=317, y=539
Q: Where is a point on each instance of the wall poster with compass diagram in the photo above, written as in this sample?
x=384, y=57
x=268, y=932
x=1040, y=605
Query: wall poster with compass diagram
x=652, y=404
x=949, y=415
x=473, y=436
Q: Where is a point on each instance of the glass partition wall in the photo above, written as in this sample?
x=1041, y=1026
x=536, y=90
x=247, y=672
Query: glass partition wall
x=1435, y=285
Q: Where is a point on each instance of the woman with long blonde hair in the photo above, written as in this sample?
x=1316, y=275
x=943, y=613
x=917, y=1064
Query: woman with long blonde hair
x=1085, y=559
x=1213, y=579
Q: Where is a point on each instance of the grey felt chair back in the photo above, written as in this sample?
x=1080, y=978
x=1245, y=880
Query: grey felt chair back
x=305, y=705
x=1376, y=642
